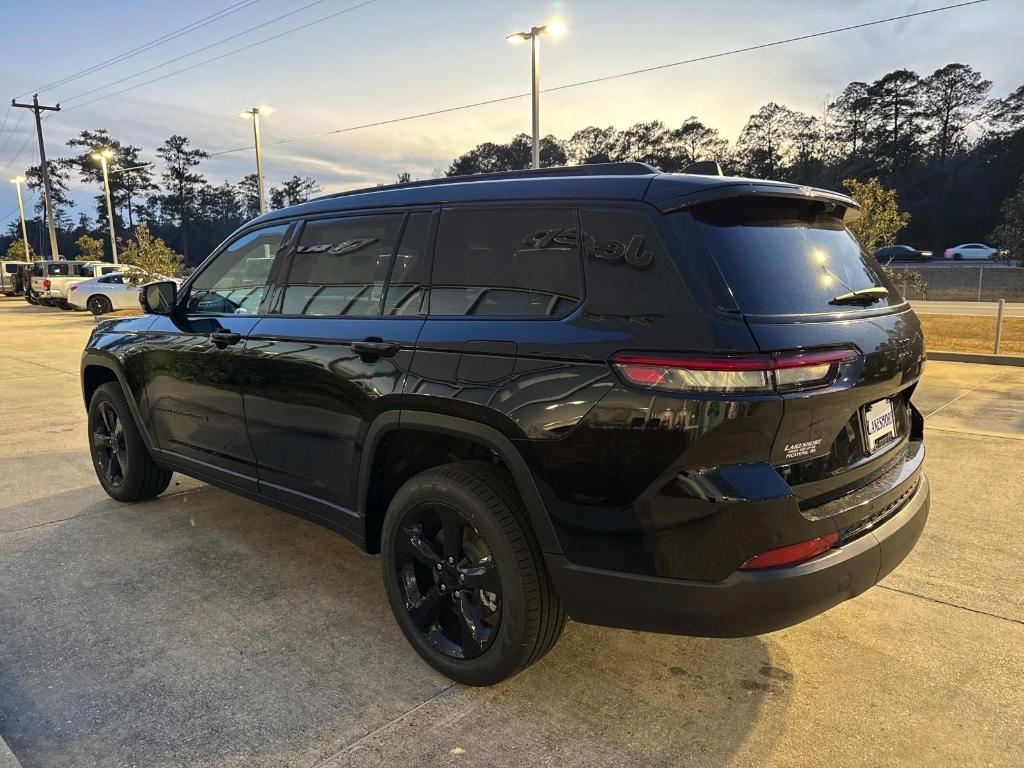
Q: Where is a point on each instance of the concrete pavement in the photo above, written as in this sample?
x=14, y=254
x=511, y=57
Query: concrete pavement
x=202, y=629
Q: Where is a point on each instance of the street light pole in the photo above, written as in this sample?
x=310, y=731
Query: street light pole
x=535, y=57
x=16, y=181
x=554, y=28
x=103, y=155
x=255, y=113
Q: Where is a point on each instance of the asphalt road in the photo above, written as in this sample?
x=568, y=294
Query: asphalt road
x=982, y=308
x=202, y=629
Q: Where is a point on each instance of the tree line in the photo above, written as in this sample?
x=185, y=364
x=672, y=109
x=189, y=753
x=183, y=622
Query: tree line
x=172, y=197
x=953, y=154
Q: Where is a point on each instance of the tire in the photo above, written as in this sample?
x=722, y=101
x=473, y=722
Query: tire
x=99, y=305
x=64, y=305
x=958, y=257
x=31, y=299
x=136, y=476
x=519, y=622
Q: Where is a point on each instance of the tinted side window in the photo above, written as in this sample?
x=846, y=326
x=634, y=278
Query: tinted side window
x=340, y=265
x=511, y=262
x=233, y=283
x=407, y=287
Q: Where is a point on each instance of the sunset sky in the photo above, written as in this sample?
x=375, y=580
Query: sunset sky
x=392, y=58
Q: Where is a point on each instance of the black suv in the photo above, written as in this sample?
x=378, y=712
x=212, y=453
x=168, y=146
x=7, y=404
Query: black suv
x=673, y=403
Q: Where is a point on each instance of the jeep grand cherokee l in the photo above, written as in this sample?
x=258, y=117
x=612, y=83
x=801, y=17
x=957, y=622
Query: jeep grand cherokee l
x=672, y=403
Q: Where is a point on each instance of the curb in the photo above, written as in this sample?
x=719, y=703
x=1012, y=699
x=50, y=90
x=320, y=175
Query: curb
x=976, y=357
x=7, y=758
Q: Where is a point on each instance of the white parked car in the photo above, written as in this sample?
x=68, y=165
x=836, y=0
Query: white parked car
x=108, y=293
x=970, y=251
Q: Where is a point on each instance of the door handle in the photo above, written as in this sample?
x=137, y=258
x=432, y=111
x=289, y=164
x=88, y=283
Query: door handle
x=223, y=339
x=374, y=348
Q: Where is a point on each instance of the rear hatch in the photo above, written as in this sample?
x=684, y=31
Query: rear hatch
x=803, y=283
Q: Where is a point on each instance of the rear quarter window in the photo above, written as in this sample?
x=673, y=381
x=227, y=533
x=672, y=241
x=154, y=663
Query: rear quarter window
x=520, y=262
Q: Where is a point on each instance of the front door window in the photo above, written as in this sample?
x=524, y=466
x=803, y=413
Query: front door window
x=234, y=282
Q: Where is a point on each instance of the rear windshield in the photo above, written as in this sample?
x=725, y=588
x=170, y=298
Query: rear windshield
x=58, y=269
x=783, y=257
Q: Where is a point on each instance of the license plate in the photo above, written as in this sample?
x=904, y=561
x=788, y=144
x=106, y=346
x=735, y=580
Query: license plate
x=879, y=424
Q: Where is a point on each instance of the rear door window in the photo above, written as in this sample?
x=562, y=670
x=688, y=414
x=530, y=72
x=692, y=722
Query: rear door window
x=340, y=265
x=782, y=257
x=521, y=262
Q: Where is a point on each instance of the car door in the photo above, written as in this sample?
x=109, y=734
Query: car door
x=333, y=352
x=193, y=362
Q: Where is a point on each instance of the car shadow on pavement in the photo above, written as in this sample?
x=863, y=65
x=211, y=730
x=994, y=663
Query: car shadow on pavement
x=205, y=629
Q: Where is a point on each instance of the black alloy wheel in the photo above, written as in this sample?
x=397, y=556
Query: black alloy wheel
x=449, y=580
x=465, y=575
x=123, y=464
x=99, y=305
x=108, y=444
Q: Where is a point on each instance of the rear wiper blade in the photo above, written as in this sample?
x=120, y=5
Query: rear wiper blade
x=863, y=296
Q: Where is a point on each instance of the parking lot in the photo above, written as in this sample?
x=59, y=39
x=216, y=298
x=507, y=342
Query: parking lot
x=203, y=629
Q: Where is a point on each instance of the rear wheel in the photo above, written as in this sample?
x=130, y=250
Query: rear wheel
x=465, y=576
x=99, y=304
x=65, y=306
x=123, y=465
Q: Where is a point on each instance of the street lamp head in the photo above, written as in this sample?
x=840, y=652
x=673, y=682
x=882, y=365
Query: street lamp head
x=518, y=38
x=18, y=180
x=262, y=110
x=555, y=28
x=103, y=154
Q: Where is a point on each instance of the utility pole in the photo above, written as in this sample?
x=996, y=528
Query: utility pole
x=37, y=108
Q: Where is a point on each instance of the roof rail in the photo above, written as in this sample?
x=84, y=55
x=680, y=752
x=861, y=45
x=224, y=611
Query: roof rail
x=592, y=169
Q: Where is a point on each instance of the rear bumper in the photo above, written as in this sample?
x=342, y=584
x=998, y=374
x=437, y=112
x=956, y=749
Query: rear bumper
x=747, y=602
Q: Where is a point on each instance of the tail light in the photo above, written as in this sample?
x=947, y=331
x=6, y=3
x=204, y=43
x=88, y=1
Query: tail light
x=779, y=372
x=792, y=554
x=46, y=285
x=73, y=288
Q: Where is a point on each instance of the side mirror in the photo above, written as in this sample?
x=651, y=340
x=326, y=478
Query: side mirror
x=159, y=298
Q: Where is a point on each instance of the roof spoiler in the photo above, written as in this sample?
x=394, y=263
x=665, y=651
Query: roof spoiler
x=851, y=208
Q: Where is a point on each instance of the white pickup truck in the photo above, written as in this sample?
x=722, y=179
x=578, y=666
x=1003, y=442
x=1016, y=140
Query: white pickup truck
x=51, y=280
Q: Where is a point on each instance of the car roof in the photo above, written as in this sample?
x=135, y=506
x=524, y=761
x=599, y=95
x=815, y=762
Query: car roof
x=598, y=181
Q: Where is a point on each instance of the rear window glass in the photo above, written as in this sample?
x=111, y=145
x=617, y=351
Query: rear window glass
x=340, y=265
x=58, y=269
x=506, y=262
x=783, y=257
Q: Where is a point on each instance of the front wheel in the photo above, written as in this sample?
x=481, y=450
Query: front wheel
x=123, y=465
x=465, y=576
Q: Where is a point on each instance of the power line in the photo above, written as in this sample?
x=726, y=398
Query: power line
x=16, y=155
x=14, y=130
x=606, y=78
x=172, y=35
x=7, y=114
x=206, y=48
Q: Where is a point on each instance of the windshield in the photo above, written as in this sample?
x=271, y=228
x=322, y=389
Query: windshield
x=783, y=257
